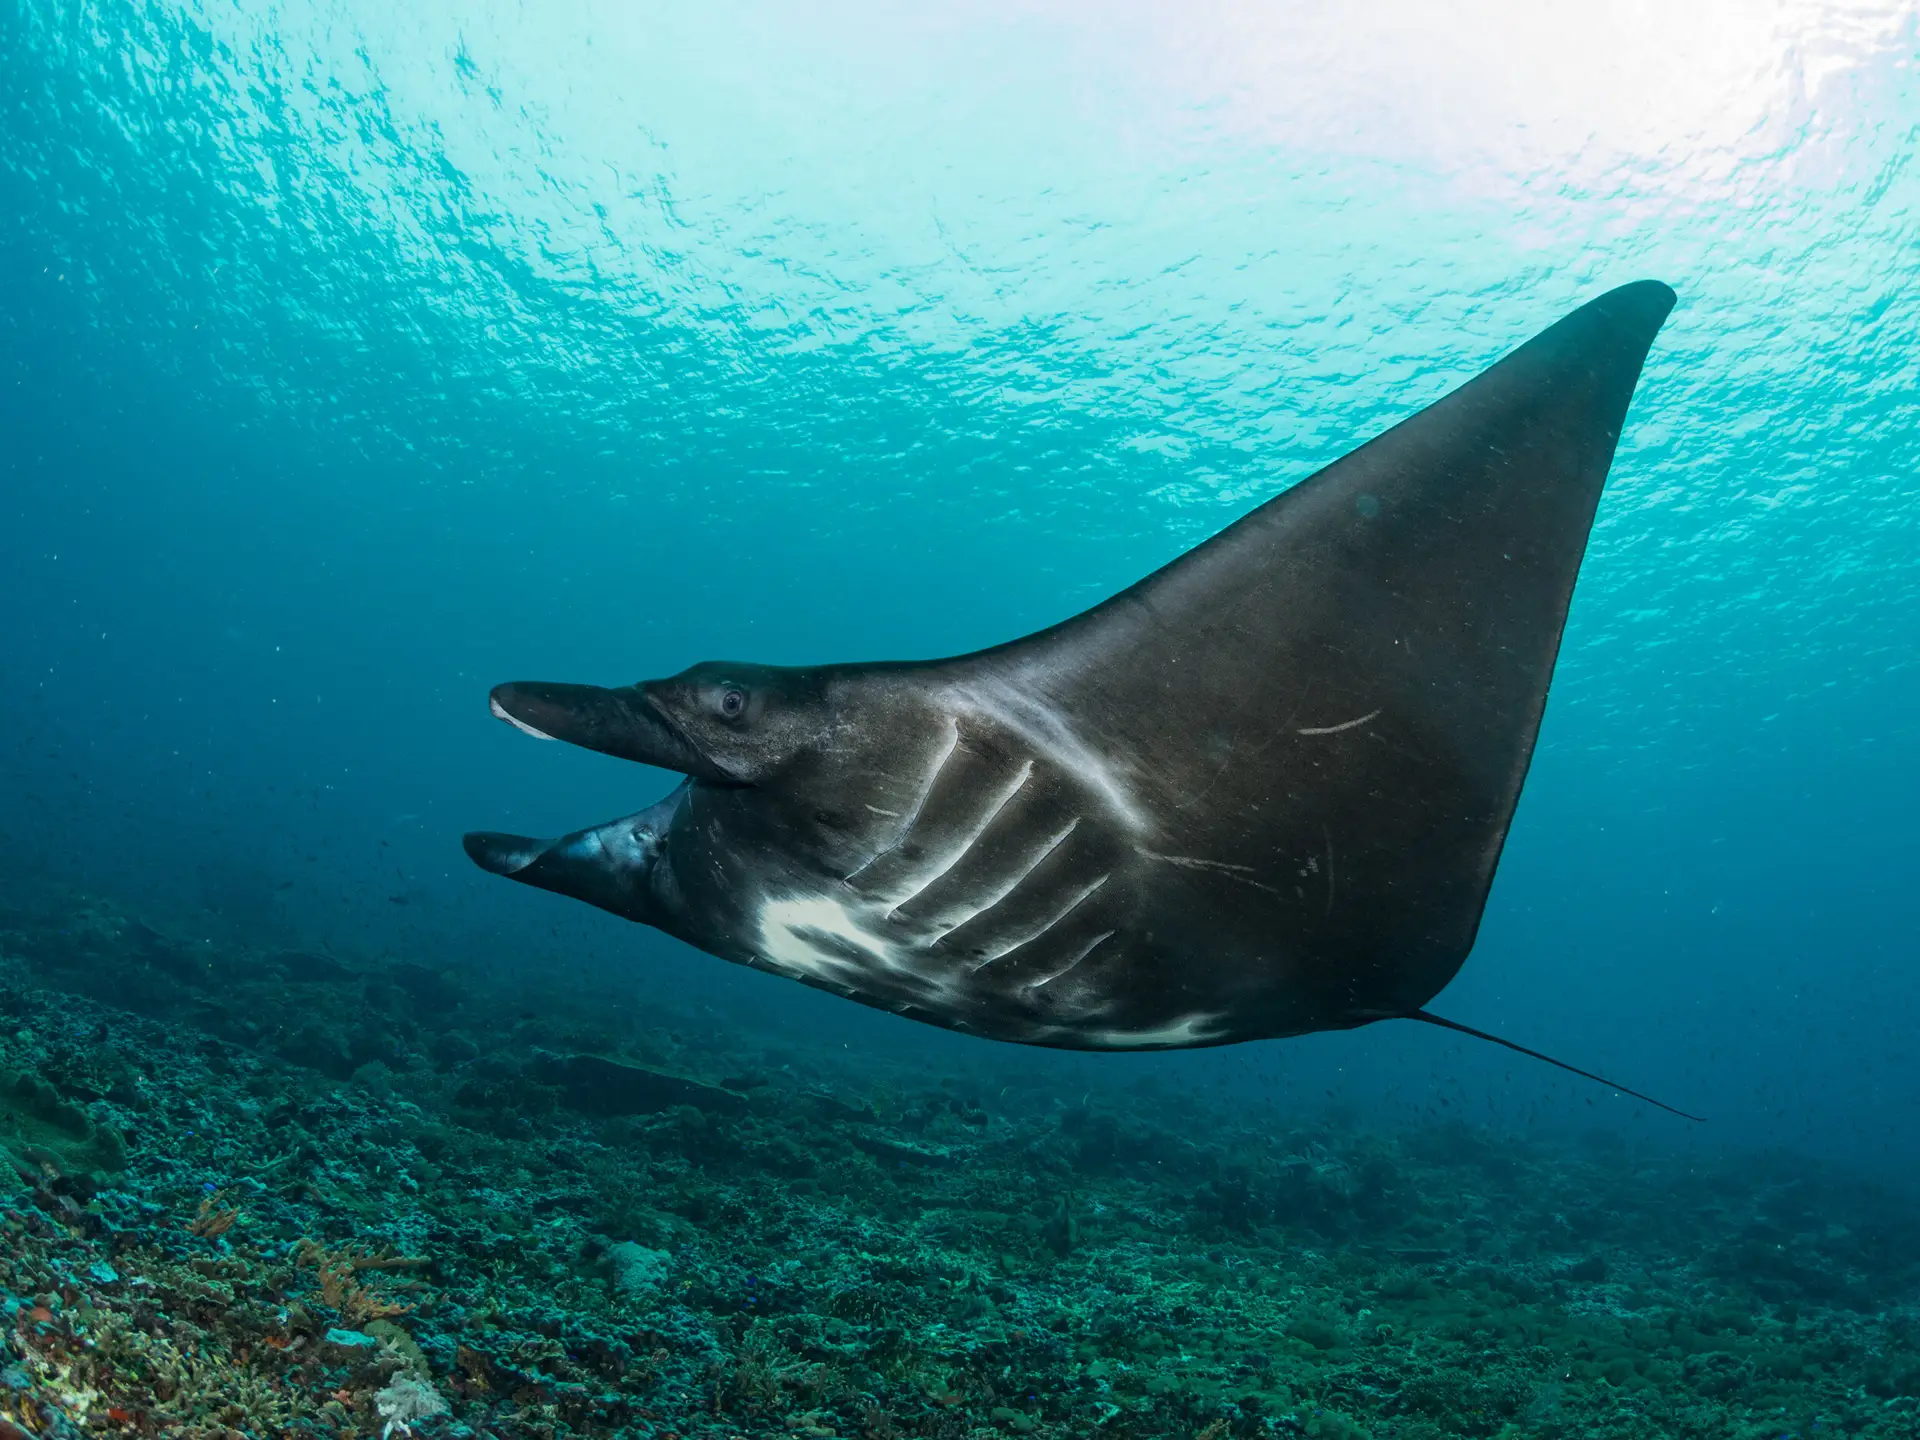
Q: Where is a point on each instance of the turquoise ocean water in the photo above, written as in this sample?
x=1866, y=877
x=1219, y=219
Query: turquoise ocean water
x=356, y=357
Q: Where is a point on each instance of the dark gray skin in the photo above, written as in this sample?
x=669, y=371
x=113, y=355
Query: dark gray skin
x=1260, y=793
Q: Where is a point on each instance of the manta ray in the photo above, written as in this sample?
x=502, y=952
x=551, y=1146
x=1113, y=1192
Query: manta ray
x=1260, y=793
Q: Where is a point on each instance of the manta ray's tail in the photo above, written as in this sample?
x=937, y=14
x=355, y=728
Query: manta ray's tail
x=1427, y=1017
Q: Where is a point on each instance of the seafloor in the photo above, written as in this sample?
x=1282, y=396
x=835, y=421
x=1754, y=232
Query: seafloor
x=265, y=1193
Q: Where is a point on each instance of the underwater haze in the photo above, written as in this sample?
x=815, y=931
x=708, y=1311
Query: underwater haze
x=358, y=357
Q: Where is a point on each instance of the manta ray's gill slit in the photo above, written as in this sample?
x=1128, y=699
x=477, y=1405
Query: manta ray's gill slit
x=1085, y=950
x=966, y=844
x=1080, y=896
x=926, y=791
x=1058, y=839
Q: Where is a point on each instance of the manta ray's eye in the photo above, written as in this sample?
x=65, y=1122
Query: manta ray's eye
x=732, y=702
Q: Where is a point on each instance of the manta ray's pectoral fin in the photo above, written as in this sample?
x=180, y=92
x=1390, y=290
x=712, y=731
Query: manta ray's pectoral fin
x=1324, y=714
x=623, y=722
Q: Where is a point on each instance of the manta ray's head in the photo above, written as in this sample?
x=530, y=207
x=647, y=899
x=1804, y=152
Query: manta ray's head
x=727, y=727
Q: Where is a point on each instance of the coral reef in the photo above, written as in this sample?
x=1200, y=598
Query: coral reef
x=266, y=1193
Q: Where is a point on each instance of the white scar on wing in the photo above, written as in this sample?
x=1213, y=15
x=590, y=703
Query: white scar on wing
x=1242, y=873
x=1336, y=729
x=1059, y=915
x=960, y=850
x=1194, y=862
x=946, y=754
x=499, y=713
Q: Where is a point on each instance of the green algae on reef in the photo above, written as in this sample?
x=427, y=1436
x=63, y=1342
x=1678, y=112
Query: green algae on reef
x=336, y=1199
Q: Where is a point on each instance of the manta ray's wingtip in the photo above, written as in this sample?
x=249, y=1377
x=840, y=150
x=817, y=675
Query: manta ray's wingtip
x=1641, y=307
x=1595, y=353
x=1646, y=292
